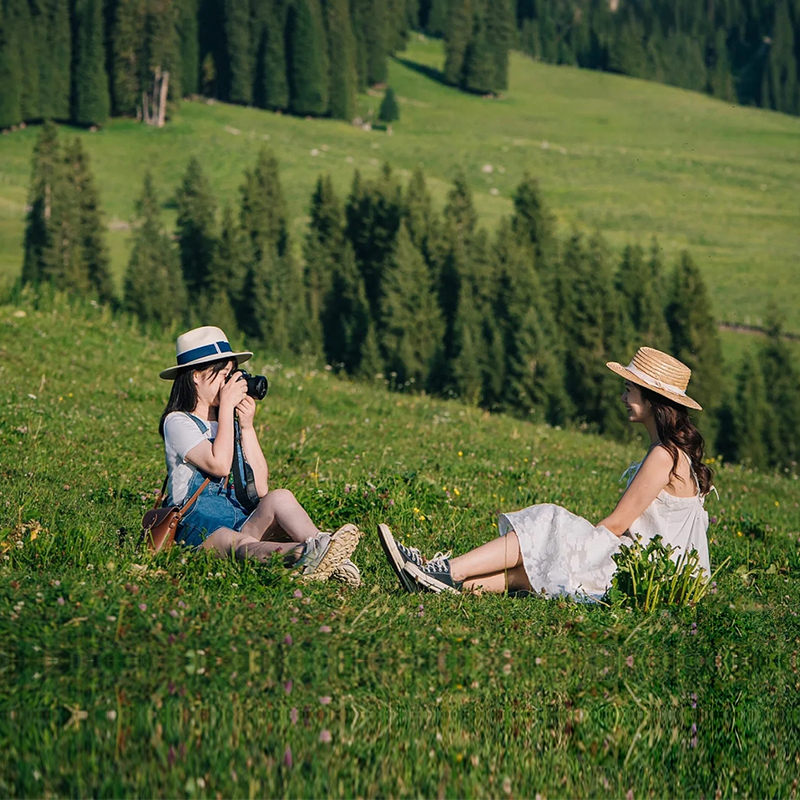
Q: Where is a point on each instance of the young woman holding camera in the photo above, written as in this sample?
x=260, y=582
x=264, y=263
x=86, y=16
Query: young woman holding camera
x=199, y=432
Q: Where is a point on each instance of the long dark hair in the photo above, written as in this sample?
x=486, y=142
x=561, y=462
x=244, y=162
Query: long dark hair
x=677, y=432
x=183, y=396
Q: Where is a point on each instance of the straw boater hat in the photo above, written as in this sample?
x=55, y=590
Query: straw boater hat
x=660, y=373
x=201, y=346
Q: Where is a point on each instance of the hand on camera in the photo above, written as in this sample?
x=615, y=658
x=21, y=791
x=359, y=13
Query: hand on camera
x=232, y=391
x=246, y=409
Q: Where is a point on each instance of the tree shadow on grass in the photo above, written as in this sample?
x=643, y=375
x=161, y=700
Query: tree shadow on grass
x=423, y=69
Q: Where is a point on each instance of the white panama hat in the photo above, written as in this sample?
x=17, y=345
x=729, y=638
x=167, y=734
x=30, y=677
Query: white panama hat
x=202, y=346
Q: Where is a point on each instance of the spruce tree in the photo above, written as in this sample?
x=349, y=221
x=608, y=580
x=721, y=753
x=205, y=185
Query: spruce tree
x=695, y=339
x=471, y=359
x=308, y=59
x=782, y=381
x=342, y=59
x=272, y=85
x=500, y=36
x=458, y=32
x=372, y=218
x=189, y=37
x=780, y=78
x=478, y=68
x=54, y=31
x=24, y=38
x=95, y=253
x=412, y=322
x=533, y=359
x=375, y=38
x=371, y=366
x=196, y=227
x=10, y=74
x=263, y=209
x=641, y=302
x=418, y=211
x=154, y=289
x=46, y=167
x=91, y=98
x=534, y=224
x=751, y=415
x=229, y=263
x=241, y=66
x=127, y=37
x=720, y=79
x=389, y=111
x=323, y=245
x=346, y=318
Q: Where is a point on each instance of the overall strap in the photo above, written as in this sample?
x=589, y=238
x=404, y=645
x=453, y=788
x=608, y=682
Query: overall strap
x=691, y=469
x=197, y=421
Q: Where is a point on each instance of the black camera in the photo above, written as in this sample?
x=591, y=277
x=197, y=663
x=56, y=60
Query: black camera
x=257, y=385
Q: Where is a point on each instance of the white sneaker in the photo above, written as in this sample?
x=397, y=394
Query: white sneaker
x=347, y=572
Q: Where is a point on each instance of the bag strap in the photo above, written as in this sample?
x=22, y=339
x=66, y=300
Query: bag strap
x=160, y=496
x=187, y=503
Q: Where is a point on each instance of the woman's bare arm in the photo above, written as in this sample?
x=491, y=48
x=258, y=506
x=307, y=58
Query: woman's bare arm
x=652, y=477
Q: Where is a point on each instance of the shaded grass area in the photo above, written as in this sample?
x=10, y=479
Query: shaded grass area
x=185, y=675
x=628, y=157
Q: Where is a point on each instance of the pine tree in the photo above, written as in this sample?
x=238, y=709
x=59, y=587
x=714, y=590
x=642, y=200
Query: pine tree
x=154, y=289
x=92, y=231
x=695, y=339
x=189, y=38
x=24, y=38
x=371, y=366
x=751, y=415
x=478, y=68
x=10, y=74
x=91, y=98
x=263, y=210
x=46, y=166
x=412, y=323
x=308, y=59
x=641, y=303
x=471, y=358
x=458, y=32
x=418, y=211
x=241, y=66
x=342, y=59
x=780, y=78
x=389, y=110
x=720, y=79
x=375, y=39
x=196, y=227
x=127, y=36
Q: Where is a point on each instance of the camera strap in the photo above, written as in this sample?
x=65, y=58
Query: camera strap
x=244, y=481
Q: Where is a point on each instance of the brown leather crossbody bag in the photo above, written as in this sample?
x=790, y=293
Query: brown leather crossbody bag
x=160, y=523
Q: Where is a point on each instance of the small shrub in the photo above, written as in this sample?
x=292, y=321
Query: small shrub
x=647, y=577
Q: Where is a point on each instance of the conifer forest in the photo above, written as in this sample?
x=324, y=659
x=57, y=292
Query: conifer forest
x=85, y=60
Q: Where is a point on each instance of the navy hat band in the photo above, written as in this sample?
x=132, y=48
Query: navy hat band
x=201, y=352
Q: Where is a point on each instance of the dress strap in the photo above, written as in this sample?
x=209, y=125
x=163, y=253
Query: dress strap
x=691, y=469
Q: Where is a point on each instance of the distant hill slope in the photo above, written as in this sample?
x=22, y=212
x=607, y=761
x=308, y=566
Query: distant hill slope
x=628, y=157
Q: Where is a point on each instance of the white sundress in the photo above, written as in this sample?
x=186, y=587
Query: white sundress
x=564, y=554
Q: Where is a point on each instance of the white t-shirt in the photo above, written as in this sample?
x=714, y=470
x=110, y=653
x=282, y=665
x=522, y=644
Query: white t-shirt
x=182, y=434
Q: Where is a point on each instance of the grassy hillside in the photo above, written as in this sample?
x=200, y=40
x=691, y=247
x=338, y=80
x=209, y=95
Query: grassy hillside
x=630, y=157
x=187, y=676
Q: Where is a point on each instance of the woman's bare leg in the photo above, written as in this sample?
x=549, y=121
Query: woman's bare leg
x=499, y=582
x=226, y=542
x=497, y=556
x=280, y=514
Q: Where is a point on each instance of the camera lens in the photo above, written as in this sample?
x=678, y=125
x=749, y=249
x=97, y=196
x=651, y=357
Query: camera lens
x=257, y=385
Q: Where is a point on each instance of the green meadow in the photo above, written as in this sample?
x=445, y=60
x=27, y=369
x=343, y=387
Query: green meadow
x=631, y=158
x=123, y=674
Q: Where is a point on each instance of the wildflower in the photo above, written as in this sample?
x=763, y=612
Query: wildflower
x=61, y=601
x=287, y=639
x=460, y=454
x=456, y=492
x=142, y=606
x=326, y=700
x=325, y=735
x=293, y=715
x=298, y=594
x=287, y=758
x=173, y=613
x=324, y=629
x=629, y=661
x=693, y=629
x=287, y=687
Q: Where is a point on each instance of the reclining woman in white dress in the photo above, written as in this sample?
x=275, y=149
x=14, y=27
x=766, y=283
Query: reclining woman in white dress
x=548, y=550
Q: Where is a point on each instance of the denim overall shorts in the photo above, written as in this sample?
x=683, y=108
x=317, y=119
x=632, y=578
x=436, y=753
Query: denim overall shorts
x=216, y=507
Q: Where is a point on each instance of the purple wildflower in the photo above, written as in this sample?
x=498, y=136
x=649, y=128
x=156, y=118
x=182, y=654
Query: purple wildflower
x=325, y=735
